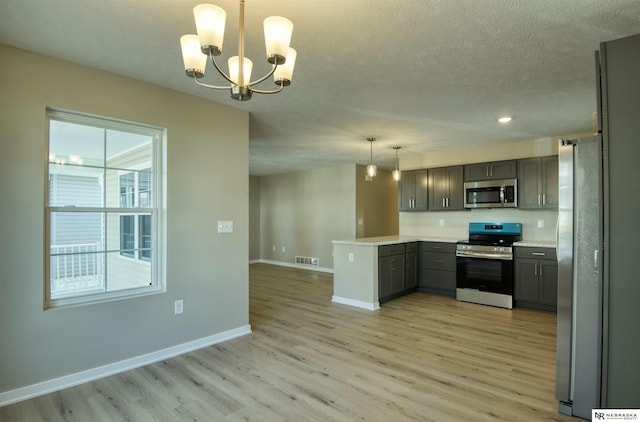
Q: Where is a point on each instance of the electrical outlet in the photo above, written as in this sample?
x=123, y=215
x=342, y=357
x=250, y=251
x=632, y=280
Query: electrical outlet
x=540, y=223
x=178, y=307
x=273, y=248
x=442, y=222
x=284, y=249
x=225, y=226
x=351, y=257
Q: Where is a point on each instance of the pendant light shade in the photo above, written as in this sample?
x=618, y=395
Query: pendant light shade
x=371, y=168
x=396, y=172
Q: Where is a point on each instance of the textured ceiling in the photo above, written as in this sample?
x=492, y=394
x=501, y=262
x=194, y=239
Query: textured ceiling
x=423, y=74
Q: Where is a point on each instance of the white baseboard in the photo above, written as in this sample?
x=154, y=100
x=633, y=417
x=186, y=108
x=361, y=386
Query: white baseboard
x=371, y=306
x=288, y=264
x=56, y=384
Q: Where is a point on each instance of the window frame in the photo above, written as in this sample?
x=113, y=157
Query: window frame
x=157, y=210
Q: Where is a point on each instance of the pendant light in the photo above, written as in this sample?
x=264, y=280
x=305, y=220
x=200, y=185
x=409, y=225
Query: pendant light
x=371, y=168
x=396, y=172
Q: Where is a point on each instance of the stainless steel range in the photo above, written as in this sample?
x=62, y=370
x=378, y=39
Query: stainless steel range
x=484, y=264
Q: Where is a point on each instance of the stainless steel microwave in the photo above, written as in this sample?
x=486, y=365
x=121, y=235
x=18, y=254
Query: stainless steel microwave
x=491, y=194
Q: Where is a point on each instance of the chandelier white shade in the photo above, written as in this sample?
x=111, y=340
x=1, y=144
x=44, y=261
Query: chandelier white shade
x=234, y=65
x=193, y=59
x=210, y=24
x=277, y=36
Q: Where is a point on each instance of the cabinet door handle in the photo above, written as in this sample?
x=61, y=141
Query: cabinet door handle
x=538, y=253
x=540, y=271
x=438, y=261
x=487, y=171
x=535, y=269
x=544, y=199
x=491, y=170
x=539, y=202
x=443, y=203
x=596, y=257
x=447, y=202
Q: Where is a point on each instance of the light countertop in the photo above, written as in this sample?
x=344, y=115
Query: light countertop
x=390, y=240
x=536, y=244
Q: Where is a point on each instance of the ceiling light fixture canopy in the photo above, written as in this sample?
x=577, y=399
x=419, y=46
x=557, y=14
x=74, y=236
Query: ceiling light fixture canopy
x=396, y=172
x=210, y=23
x=371, y=168
x=504, y=119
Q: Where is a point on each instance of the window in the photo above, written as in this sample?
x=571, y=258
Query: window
x=104, y=228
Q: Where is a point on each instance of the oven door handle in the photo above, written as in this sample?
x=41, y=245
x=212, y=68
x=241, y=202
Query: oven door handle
x=503, y=257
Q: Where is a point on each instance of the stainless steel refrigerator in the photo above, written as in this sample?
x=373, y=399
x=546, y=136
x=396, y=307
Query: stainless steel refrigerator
x=598, y=232
x=580, y=233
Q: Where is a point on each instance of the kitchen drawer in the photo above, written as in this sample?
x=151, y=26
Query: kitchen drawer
x=438, y=279
x=535, y=253
x=411, y=247
x=439, y=260
x=439, y=247
x=396, y=249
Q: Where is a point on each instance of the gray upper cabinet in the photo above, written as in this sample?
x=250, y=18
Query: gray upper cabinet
x=490, y=171
x=446, y=188
x=538, y=183
x=412, y=191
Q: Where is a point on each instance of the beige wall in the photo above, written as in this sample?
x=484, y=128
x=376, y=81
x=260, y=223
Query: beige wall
x=376, y=204
x=207, y=180
x=303, y=212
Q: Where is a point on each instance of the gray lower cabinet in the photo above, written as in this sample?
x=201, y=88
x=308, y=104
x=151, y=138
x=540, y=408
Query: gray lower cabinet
x=538, y=183
x=536, y=278
x=397, y=270
x=438, y=268
x=490, y=171
x=411, y=266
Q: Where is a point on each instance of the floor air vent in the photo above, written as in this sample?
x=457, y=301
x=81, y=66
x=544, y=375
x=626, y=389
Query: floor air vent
x=307, y=260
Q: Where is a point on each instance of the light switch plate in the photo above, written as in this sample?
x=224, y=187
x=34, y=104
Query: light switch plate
x=225, y=226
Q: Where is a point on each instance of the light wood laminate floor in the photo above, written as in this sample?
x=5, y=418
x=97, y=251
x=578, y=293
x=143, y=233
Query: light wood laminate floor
x=418, y=358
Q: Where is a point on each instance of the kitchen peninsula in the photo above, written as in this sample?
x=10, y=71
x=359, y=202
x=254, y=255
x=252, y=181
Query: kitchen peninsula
x=358, y=262
x=356, y=269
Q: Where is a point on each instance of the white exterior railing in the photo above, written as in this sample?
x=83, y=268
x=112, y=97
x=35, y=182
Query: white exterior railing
x=78, y=267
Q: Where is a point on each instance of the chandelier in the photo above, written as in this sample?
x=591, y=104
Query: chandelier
x=210, y=23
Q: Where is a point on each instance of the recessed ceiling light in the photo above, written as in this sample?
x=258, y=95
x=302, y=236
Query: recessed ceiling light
x=505, y=119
